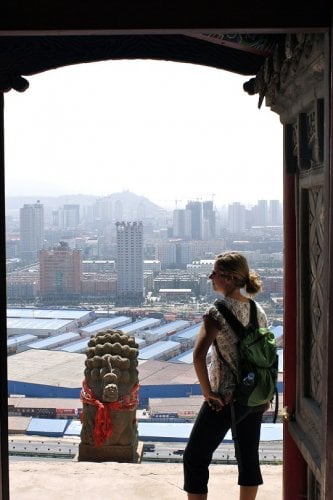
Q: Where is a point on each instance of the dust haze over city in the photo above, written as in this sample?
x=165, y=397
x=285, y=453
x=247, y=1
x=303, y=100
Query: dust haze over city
x=163, y=130
x=172, y=160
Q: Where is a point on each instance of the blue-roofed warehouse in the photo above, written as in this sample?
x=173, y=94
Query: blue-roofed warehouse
x=79, y=315
x=188, y=336
x=187, y=357
x=55, y=341
x=47, y=427
x=277, y=330
x=166, y=330
x=147, y=431
x=80, y=346
x=140, y=325
x=102, y=324
x=17, y=342
x=73, y=429
x=163, y=350
x=173, y=432
x=38, y=326
x=184, y=357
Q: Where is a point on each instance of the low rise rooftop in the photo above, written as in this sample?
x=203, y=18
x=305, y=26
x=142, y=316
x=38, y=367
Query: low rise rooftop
x=66, y=369
x=53, y=368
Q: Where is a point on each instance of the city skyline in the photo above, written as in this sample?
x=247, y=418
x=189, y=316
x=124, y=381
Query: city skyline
x=61, y=201
x=196, y=220
x=168, y=131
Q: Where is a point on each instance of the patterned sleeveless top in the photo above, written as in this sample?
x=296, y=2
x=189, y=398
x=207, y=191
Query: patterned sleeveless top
x=220, y=374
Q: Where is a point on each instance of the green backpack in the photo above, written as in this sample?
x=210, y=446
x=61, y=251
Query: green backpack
x=258, y=360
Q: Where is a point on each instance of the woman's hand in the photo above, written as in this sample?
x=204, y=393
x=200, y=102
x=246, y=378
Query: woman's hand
x=214, y=400
x=268, y=406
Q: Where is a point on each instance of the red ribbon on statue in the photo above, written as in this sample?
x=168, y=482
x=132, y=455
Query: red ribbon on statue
x=103, y=424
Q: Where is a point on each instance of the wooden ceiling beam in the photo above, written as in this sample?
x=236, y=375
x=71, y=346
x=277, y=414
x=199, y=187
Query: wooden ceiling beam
x=152, y=16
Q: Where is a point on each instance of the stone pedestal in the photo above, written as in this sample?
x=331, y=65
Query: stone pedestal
x=121, y=446
x=111, y=453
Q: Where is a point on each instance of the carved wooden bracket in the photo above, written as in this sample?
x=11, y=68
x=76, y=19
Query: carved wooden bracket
x=304, y=148
x=284, y=80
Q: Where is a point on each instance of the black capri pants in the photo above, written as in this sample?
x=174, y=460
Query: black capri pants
x=208, y=431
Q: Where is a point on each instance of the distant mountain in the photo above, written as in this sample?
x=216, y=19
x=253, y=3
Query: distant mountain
x=132, y=204
x=16, y=202
x=132, y=200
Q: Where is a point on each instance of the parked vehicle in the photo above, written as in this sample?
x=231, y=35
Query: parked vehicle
x=178, y=452
x=148, y=447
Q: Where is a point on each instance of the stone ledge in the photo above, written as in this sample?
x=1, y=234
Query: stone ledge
x=54, y=480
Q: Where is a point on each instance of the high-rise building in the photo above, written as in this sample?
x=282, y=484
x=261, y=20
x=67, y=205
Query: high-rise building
x=261, y=218
x=31, y=231
x=195, y=208
x=103, y=209
x=60, y=274
x=166, y=253
x=275, y=213
x=67, y=216
x=208, y=216
x=181, y=223
x=130, y=290
x=71, y=216
x=236, y=217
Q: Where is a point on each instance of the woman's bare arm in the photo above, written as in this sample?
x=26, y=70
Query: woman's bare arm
x=207, y=334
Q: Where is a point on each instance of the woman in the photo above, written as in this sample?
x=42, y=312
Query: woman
x=229, y=277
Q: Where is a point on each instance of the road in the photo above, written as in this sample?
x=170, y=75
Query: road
x=270, y=452
x=34, y=446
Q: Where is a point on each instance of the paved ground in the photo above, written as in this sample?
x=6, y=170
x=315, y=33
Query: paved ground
x=57, y=480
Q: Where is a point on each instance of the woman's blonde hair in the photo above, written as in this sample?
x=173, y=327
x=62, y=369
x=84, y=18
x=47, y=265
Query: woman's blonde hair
x=236, y=265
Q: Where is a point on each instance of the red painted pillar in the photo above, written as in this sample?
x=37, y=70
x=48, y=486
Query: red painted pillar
x=294, y=466
x=4, y=466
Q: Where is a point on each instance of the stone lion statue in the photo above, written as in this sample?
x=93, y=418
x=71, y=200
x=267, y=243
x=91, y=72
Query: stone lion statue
x=110, y=397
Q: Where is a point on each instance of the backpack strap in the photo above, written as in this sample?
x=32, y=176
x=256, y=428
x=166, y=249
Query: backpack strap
x=234, y=322
x=239, y=329
x=253, y=314
x=276, y=409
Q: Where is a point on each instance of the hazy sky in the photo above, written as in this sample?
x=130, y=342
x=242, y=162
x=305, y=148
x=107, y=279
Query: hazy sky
x=160, y=129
